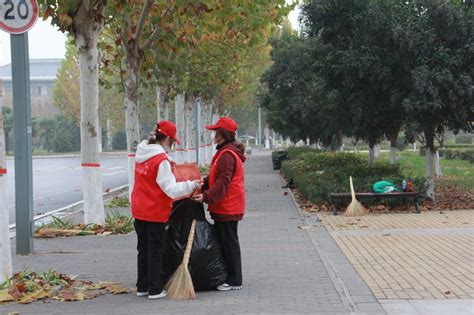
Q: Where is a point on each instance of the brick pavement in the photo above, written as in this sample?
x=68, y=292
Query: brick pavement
x=410, y=256
x=286, y=269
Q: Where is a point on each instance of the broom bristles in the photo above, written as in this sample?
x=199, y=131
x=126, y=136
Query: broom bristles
x=355, y=208
x=180, y=286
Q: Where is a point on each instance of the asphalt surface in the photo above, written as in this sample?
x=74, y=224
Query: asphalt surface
x=57, y=182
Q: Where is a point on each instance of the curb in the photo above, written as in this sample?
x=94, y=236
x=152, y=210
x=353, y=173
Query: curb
x=71, y=209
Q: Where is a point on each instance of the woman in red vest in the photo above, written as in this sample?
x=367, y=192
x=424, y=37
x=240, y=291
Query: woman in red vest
x=153, y=192
x=225, y=194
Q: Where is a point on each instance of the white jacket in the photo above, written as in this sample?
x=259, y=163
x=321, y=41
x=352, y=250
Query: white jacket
x=165, y=177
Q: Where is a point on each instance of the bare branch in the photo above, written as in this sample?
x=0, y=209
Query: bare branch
x=127, y=28
x=152, y=38
x=141, y=21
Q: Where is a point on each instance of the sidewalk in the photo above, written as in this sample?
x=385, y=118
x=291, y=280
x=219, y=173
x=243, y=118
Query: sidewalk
x=290, y=264
x=413, y=263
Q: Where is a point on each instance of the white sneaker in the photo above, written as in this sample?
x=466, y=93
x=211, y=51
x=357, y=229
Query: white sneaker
x=142, y=293
x=157, y=296
x=228, y=287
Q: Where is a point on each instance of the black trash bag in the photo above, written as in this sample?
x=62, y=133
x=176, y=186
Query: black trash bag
x=206, y=264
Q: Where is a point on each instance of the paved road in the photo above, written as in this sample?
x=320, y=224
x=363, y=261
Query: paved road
x=57, y=182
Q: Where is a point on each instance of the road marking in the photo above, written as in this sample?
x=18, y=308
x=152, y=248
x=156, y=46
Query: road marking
x=116, y=168
x=114, y=173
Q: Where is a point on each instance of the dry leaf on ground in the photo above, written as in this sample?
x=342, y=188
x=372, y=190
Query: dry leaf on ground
x=115, y=288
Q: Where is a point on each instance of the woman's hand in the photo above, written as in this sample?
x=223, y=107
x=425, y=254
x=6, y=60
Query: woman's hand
x=198, y=184
x=198, y=198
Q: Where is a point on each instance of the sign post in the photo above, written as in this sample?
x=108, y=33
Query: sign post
x=16, y=18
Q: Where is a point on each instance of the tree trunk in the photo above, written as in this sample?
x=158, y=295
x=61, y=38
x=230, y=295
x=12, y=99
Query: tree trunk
x=162, y=103
x=208, y=133
x=166, y=109
x=99, y=135
x=393, y=148
x=131, y=104
x=86, y=42
x=202, y=133
x=109, y=135
x=377, y=151
x=340, y=142
x=159, y=102
x=438, y=171
x=180, y=126
x=190, y=129
x=372, y=153
x=429, y=167
x=5, y=250
x=214, y=118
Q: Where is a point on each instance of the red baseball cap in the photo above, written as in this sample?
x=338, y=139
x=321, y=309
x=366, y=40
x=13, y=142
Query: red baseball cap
x=224, y=122
x=168, y=128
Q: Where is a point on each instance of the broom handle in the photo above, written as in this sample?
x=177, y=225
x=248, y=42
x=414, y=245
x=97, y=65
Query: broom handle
x=189, y=244
x=352, y=188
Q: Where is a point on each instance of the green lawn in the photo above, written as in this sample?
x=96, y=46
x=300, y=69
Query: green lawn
x=455, y=171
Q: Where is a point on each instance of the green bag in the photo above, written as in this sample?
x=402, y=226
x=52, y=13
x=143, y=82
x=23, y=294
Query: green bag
x=384, y=187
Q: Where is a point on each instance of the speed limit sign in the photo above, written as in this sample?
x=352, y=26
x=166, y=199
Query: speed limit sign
x=18, y=16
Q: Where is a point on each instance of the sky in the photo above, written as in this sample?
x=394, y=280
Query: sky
x=45, y=41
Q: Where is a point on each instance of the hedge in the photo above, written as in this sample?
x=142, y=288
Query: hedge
x=458, y=154
x=316, y=175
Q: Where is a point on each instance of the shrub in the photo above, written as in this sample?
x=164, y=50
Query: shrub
x=463, y=139
x=459, y=154
x=67, y=135
x=318, y=174
x=296, y=152
x=119, y=140
x=459, y=146
x=401, y=143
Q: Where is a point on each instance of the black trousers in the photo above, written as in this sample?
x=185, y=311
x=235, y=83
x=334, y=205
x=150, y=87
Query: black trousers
x=150, y=253
x=229, y=241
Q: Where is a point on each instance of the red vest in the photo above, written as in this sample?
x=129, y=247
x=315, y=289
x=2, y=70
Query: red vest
x=149, y=202
x=234, y=200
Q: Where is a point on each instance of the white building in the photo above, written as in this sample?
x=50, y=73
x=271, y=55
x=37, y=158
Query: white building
x=42, y=79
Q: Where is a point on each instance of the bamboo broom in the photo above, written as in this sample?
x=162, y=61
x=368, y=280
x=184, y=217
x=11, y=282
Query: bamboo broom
x=180, y=286
x=355, y=208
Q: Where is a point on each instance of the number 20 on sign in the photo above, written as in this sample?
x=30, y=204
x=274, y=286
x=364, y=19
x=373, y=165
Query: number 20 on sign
x=18, y=16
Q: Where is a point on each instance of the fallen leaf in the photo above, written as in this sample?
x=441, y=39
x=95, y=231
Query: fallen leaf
x=67, y=295
x=388, y=234
x=363, y=225
x=14, y=292
x=89, y=295
x=285, y=193
x=447, y=292
x=5, y=297
x=303, y=227
x=33, y=296
x=79, y=296
x=116, y=289
x=21, y=287
x=341, y=225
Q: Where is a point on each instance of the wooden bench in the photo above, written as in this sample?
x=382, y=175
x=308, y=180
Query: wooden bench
x=339, y=198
